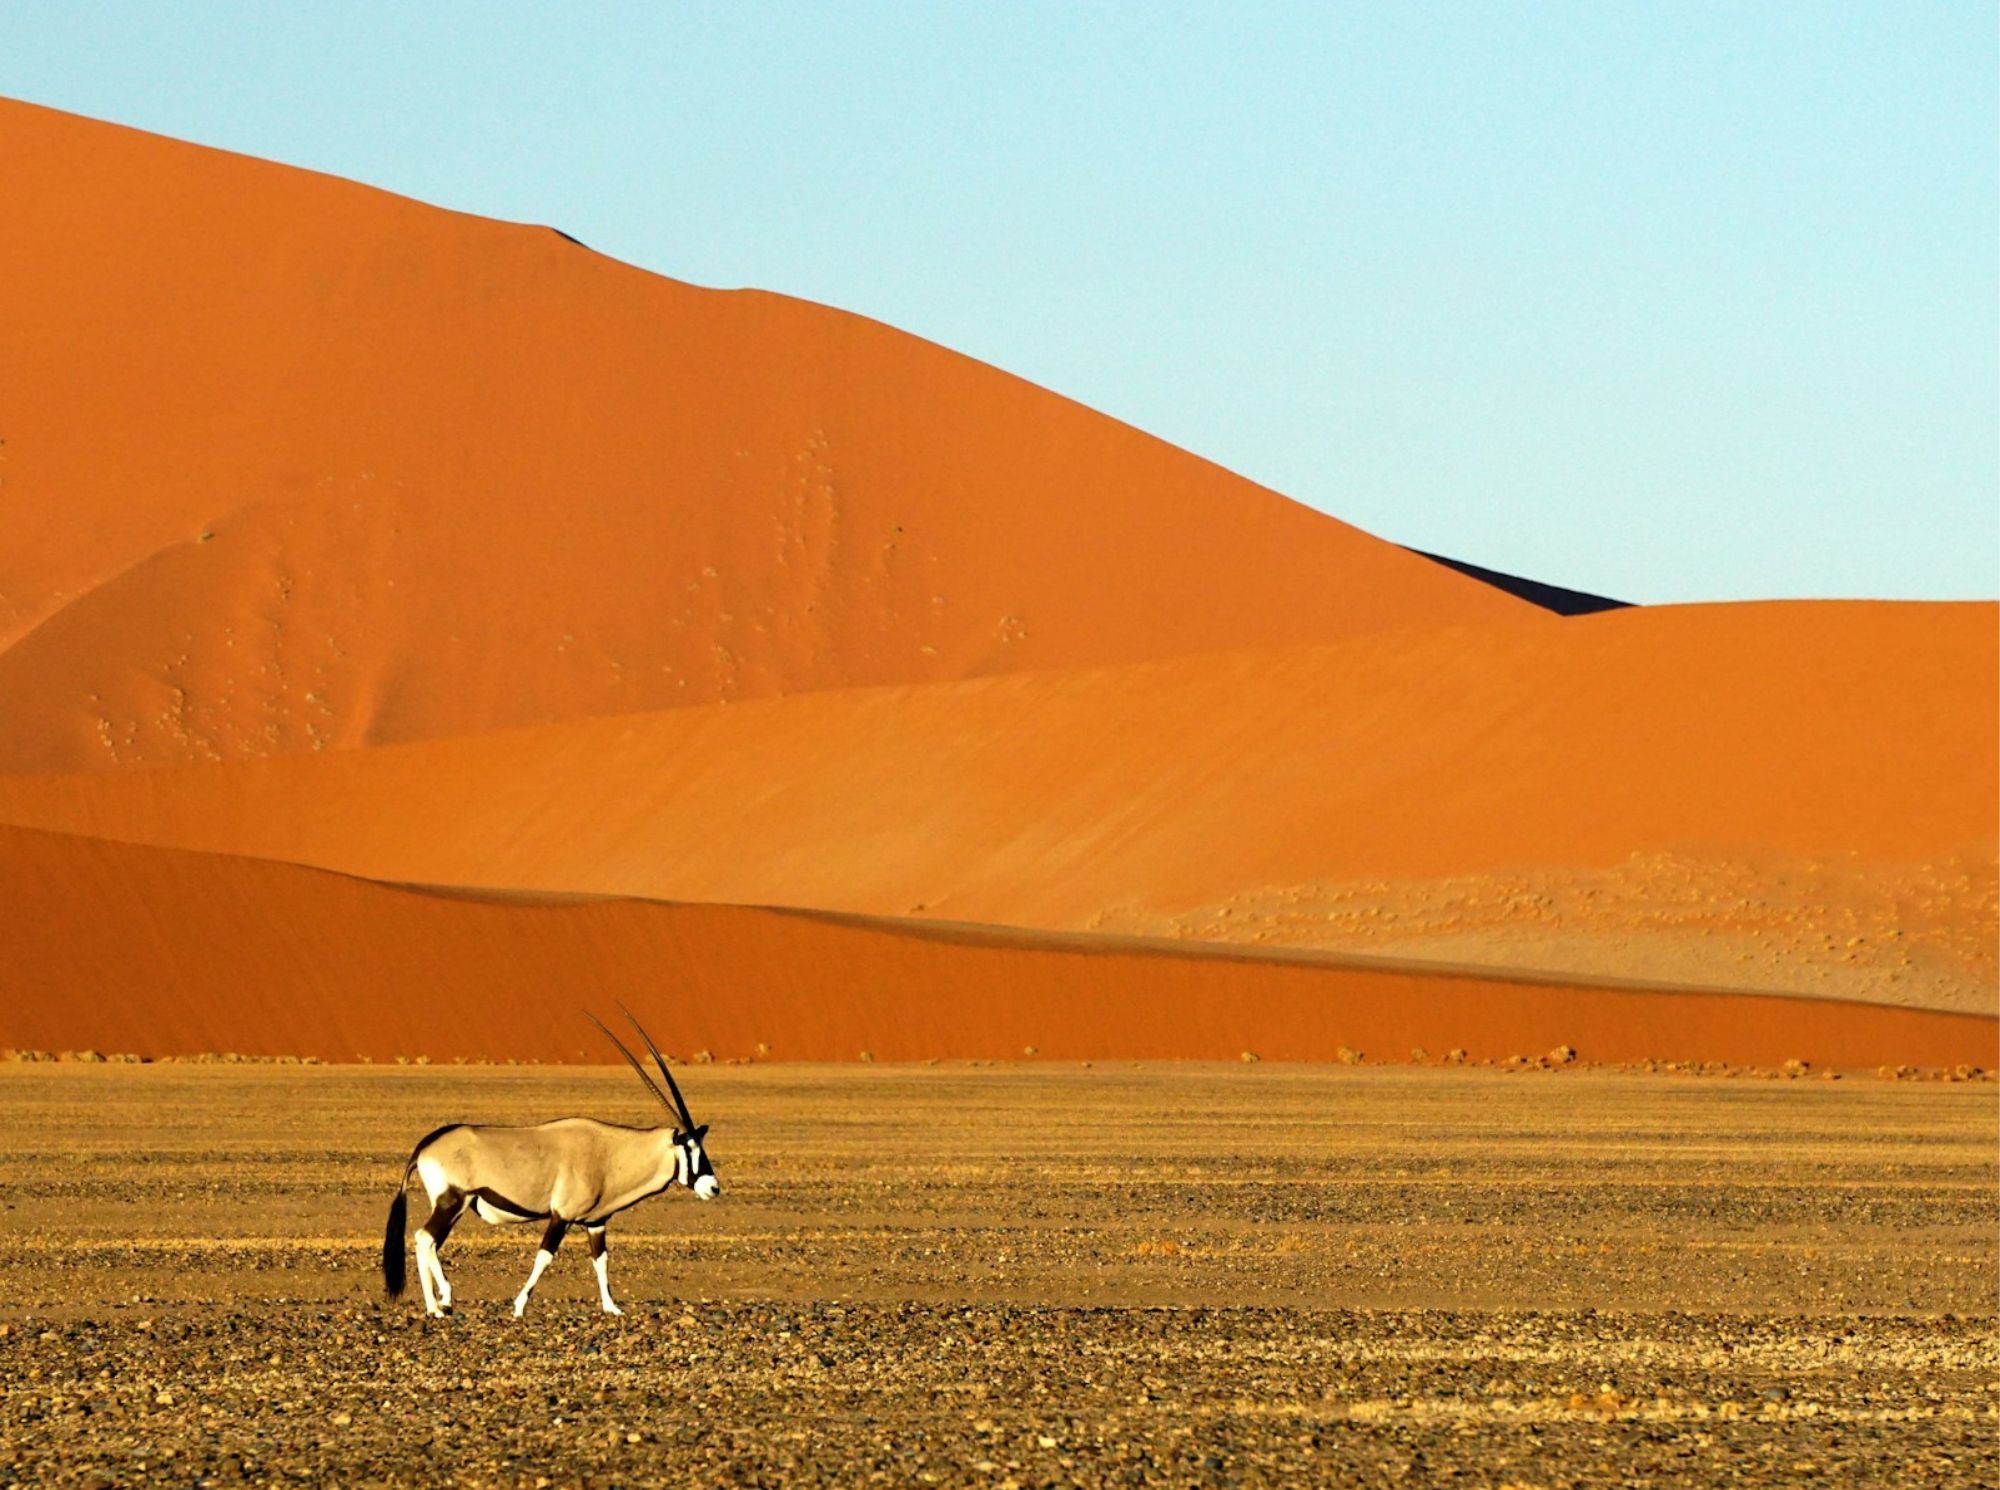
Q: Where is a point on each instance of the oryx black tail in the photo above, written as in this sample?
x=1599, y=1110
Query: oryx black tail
x=399, y=1215
x=392, y=1242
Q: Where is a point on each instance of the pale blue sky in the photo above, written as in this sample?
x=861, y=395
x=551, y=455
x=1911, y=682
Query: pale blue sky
x=1670, y=301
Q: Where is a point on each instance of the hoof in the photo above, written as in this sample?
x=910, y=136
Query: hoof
x=613, y=1309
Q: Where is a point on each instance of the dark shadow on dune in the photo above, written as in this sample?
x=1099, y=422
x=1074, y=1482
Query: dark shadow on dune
x=1549, y=597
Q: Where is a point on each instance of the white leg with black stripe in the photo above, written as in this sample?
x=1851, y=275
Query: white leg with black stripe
x=543, y=1257
x=600, y=1261
x=425, y=1247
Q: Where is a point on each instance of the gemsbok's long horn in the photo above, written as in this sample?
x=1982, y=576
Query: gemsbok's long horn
x=687, y=1118
x=638, y=1070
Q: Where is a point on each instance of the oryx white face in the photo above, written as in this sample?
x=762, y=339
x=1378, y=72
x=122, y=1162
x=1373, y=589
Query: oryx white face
x=698, y=1174
x=691, y=1165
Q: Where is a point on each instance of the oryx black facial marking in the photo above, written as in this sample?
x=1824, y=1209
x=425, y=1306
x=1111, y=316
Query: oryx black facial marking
x=569, y=1172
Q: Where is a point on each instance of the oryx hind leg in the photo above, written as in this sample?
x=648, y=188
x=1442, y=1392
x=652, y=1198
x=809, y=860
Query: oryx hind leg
x=600, y=1260
x=551, y=1239
x=423, y=1245
x=445, y=1210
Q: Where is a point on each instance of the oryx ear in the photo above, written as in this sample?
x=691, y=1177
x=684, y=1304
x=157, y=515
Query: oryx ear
x=700, y=1133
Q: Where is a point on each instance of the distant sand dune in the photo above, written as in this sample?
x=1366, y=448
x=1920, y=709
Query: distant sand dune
x=1744, y=741
x=337, y=467
x=338, y=530
x=127, y=948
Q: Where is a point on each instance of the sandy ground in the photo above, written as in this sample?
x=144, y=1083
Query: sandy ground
x=1026, y=1275
x=1920, y=935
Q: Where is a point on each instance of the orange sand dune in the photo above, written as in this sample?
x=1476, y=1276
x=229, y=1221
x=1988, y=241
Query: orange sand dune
x=291, y=463
x=119, y=947
x=437, y=550
x=1861, y=734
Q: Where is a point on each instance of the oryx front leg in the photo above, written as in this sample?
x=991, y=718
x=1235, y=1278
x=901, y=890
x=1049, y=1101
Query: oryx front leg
x=551, y=1239
x=600, y=1260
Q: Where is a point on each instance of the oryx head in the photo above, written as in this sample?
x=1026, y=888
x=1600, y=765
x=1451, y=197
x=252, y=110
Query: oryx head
x=690, y=1151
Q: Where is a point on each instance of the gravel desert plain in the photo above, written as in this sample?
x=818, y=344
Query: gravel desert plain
x=1125, y=1274
x=1185, y=991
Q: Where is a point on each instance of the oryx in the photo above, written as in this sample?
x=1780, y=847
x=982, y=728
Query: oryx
x=570, y=1172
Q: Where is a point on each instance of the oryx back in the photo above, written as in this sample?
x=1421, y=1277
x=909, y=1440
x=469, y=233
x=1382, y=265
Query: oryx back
x=571, y=1169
